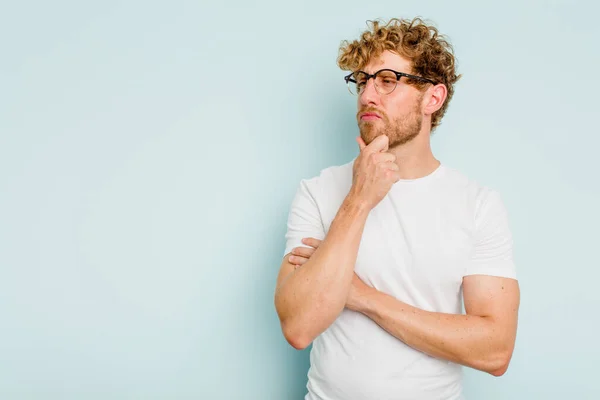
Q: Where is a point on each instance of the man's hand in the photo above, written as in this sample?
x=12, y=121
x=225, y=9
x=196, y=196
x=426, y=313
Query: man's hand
x=300, y=255
x=358, y=288
x=373, y=173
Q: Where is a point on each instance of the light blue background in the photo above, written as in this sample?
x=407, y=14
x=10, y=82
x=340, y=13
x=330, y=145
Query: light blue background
x=149, y=154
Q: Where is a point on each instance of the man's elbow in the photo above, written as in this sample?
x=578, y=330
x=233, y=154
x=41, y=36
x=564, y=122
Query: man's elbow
x=298, y=343
x=292, y=332
x=500, y=371
x=499, y=365
x=295, y=338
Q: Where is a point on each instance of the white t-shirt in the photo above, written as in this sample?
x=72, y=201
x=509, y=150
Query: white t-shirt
x=418, y=244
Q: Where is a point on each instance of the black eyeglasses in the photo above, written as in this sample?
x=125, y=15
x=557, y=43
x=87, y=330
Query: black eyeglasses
x=385, y=80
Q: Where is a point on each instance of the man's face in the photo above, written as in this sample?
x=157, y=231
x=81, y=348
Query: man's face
x=397, y=114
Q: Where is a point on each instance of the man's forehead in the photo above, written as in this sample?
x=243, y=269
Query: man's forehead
x=387, y=59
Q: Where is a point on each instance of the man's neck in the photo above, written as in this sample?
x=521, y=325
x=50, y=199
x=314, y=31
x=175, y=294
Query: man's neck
x=415, y=158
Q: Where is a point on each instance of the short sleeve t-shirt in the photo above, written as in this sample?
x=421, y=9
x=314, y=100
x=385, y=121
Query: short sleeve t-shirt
x=417, y=245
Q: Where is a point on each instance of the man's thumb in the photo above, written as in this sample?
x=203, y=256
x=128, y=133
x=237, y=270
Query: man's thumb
x=381, y=143
x=361, y=143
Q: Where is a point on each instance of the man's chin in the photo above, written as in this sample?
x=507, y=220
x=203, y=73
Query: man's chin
x=368, y=137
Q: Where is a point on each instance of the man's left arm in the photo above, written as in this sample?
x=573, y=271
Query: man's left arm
x=483, y=339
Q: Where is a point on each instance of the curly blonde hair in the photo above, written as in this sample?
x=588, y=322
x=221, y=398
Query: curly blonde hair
x=430, y=53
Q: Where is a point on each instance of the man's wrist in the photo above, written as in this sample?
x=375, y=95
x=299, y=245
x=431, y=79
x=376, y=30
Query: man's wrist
x=364, y=301
x=355, y=205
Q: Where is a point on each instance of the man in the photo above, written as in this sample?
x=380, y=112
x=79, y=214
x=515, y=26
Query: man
x=380, y=250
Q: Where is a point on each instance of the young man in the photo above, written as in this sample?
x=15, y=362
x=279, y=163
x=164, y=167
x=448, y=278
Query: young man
x=380, y=250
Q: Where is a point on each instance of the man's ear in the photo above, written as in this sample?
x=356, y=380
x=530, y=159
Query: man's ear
x=435, y=98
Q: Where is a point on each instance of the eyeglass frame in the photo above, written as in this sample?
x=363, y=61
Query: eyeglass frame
x=348, y=78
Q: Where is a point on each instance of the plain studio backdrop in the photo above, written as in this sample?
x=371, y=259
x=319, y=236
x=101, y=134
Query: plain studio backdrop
x=149, y=154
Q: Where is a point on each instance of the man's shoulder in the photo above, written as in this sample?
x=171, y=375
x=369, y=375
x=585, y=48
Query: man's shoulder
x=326, y=191
x=331, y=179
x=473, y=189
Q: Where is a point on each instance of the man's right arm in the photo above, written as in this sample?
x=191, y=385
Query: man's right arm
x=310, y=298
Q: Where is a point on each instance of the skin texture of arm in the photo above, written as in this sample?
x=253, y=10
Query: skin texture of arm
x=483, y=339
x=309, y=299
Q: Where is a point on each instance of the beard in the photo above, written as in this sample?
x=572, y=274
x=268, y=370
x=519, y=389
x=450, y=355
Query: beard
x=399, y=131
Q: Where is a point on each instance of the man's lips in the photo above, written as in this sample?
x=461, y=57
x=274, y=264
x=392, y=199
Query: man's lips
x=369, y=116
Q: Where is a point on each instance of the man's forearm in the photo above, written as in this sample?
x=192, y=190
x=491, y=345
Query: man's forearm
x=309, y=299
x=469, y=340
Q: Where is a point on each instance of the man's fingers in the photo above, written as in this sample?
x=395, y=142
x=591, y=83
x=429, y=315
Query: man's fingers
x=297, y=260
x=303, y=251
x=383, y=158
x=300, y=255
x=312, y=242
x=381, y=143
x=391, y=166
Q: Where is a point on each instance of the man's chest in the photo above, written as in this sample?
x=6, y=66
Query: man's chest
x=410, y=250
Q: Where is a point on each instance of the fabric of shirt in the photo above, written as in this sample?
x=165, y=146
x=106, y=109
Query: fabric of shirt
x=417, y=245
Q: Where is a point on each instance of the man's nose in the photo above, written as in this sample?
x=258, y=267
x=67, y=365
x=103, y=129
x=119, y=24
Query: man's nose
x=369, y=95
